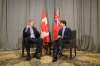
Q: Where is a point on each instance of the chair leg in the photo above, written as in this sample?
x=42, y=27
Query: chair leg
x=75, y=51
x=23, y=50
x=70, y=53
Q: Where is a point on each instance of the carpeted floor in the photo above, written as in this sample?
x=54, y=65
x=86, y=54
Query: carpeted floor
x=13, y=58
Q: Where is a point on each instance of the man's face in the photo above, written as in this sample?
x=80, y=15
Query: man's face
x=62, y=25
x=32, y=23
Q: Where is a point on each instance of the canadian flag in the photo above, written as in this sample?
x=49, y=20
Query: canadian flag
x=44, y=28
x=56, y=24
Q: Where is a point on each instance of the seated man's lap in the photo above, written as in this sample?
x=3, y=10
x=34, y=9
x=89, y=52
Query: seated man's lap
x=30, y=41
x=60, y=43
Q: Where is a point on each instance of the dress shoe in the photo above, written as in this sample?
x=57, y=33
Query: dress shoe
x=28, y=58
x=54, y=59
x=37, y=56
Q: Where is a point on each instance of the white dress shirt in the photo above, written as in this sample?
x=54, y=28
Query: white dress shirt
x=32, y=33
x=63, y=31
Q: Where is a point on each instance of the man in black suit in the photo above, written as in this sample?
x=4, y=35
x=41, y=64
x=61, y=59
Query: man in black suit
x=63, y=37
x=31, y=36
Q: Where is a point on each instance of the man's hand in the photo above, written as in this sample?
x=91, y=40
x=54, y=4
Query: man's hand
x=44, y=34
x=59, y=36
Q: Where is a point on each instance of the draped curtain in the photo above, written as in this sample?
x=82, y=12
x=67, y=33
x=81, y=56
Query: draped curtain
x=13, y=16
x=81, y=15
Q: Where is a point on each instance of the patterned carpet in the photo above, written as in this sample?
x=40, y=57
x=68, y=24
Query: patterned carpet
x=13, y=58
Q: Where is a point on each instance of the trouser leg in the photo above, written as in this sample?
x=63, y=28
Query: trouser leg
x=28, y=51
x=27, y=46
x=49, y=48
x=38, y=44
x=57, y=48
x=23, y=47
x=45, y=47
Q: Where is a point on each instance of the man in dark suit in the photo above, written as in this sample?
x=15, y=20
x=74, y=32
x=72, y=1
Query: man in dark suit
x=31, y=36
x=63, y=37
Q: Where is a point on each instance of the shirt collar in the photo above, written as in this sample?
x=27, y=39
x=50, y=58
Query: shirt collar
x=64, y=27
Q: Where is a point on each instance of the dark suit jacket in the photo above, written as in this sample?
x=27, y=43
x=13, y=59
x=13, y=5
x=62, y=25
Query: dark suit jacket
x=27, y=33
x=67, y=33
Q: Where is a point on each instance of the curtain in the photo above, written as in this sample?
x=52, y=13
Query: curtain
x=13, y=16
x=81, y=15
x=88, y=25
x=3, y=22
x=0, y=20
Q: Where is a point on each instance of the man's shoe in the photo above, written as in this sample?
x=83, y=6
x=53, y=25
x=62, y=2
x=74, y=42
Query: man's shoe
x=37, y=56
x=22, y=55
x=54, y=59
x=34, y=55
x=28, y=58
